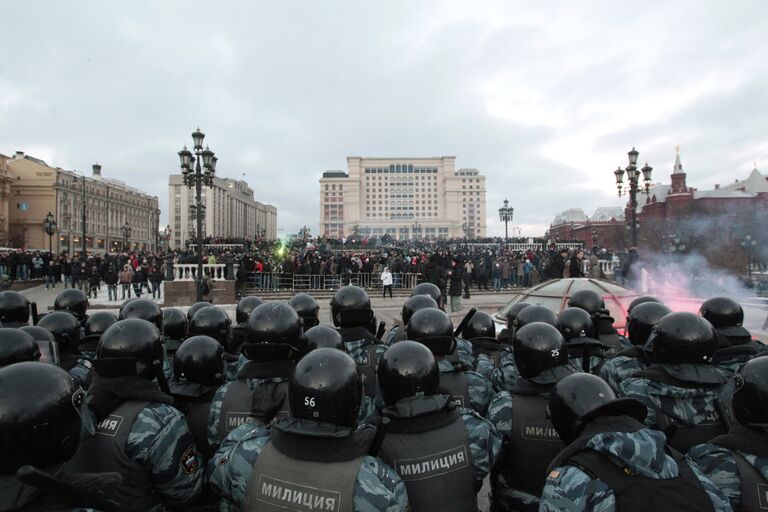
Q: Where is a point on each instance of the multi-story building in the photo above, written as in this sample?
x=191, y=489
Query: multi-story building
x=37, y=189
x=403, y=198
x=5, y=192
x=230, y=211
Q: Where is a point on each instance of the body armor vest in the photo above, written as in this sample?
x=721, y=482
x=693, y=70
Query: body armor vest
x=368, y=367
x=534, y=442
x=680, y=434
x=753, y=485
x=635, y=493
x=289, y=475
x=431, y=454
x=454, y=383
x=238, y=401
x=104, y=451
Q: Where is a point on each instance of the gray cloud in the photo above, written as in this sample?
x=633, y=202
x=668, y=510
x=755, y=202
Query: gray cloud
x=545, y=102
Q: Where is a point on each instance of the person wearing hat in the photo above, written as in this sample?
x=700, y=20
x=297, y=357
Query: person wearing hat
x=612, y=461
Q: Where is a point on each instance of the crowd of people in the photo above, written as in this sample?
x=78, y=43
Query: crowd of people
x=156, y=409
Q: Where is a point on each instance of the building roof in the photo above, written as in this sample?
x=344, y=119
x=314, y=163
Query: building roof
x=721, y=194
x=755, y=183
x=335, y=174
x=571, y=215
x=606, y=213
x=678, y=169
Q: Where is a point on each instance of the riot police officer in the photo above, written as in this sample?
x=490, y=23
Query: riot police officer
x=17, y=346
x=317, y=453
x=592, y=303
x=577, y=328
x=504, y=374
x=411, y=305
x=14, y=309
x=40, y=423
x=430, y=442
x=194, y=308
x=198, y=371
x=138, y=433
x=215, y=322
x=736, y=461
x=307, y=308
x=260, y=391
x=174, y=330
x=242, y=312
x=613, y=461
x=356, y=322
x=322, y=336
x=681, y=388
x=73, y=300
x=432, y=290
x=480, y=331
x=541, y=357
x=94, y=327
x=467, y=388
x=66, y=330
x=46, y=343
x=508, y=334
x=144, y=309
x=735, y=345
x=640, y=322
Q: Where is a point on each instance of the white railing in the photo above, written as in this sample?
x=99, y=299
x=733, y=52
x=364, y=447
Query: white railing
x=188, y=271
x=288, y=281
x=606, y=266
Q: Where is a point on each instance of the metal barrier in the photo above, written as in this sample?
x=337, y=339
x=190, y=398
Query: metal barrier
x=286, y=281
x=188, y=271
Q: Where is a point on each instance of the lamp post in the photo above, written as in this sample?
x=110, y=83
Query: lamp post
x=126, y=231
x=505, y=215
x=415, y=230
x=748, y=244
x=167, y=235
x=49, y=225
x=633, y=186
x=85, y=248
x=594, y=238
x=196, y=176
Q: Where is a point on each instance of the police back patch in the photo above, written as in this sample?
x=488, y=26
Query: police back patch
x=432, y=465
x=539, y=432
x=293, y=496
x=235, y=419
x=110, y=425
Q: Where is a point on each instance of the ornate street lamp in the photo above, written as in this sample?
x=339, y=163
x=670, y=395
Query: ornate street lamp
x=505, y=215
x=167, y=234
x=198, y=171
x=633, y=186
x=49, y=225
x=748, y=243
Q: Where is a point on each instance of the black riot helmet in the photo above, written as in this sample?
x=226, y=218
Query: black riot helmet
x=588, y=300
x=641, y=320
x=307, y=308
x=641, y=300
x=73, y=300
x=143, y=309
x=682, y=338
x=16, y=346
x=414, y=304
x=581, y=397
x=750, y=400
x=538, y=347
x=327, y=387
x=46, y=343
x=407, y=369
x=64, y=327
x=323, y=336
x=211, y=321
x=575, y=322
x=535, y=313
x=200, y=359
x=194, y=308
x=97, y=323
x=244, y=308
x=722, y=312
x=14, y=309
x=351, y=307
x=130, y=347
x=512, y=313
x=434, y=329
x=174, y=324
x=481, y=325
x=274, y=322
x=427, y=289
x=40, y=418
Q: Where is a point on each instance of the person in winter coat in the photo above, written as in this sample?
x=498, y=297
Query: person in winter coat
x=138, y=280
x=110, y=278
x=126, y=276
x=386, y=282
x=469, y=268
x=454, y=290
x=94, y=281
x=575, y=264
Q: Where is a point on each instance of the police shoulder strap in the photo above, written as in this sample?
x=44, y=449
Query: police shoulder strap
x=754, y=486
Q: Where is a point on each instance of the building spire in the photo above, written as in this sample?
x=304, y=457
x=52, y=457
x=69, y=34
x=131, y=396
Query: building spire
x=678, y=165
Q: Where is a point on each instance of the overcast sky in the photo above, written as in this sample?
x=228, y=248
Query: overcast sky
x=545, y=102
